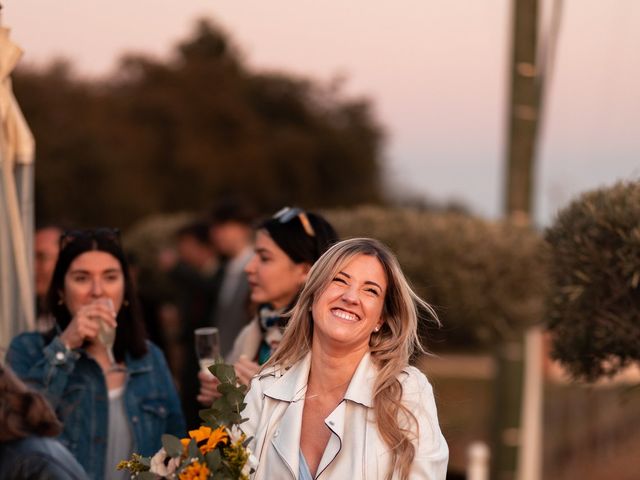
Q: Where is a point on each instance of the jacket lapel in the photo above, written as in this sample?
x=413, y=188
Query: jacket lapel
x=290, y=388
x=360, y=390
x=335, y=423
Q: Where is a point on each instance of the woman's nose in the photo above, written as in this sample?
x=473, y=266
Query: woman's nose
x=96, y=288
x=250, y=267
x=350, y=295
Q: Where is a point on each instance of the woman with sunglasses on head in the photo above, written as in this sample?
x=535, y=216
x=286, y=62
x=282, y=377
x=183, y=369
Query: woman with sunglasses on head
x=286, y=246
x=109, y=386
x=338, y=398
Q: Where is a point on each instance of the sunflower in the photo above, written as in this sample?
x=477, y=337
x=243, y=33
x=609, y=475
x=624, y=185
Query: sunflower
x=195, y=471
x=206, y=438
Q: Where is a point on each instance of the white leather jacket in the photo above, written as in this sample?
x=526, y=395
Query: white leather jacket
x=355, y=449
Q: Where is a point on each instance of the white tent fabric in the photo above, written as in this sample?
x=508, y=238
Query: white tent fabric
x=17, y=148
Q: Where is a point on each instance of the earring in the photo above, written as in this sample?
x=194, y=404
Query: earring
x=377, y=329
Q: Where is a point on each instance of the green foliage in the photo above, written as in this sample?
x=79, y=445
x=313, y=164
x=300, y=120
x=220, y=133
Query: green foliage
x=594, y=311
x=172, y=445
x=487, y=280
x=219, y=445
x=179, y=134
x=226, y=409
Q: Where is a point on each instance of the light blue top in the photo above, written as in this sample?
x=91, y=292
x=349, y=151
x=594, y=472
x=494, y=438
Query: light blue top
x=305, y=474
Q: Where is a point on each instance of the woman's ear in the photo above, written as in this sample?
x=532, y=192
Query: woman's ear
x=304, y=270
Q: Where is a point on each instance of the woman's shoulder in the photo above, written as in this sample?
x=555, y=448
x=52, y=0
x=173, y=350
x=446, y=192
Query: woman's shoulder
x=40, y=457
x=28, y=341
x=272, y=373
x=28, y=337
x=414, y=382
x=153, y=357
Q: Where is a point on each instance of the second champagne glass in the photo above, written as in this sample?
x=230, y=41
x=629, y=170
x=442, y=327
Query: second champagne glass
x=207, y=346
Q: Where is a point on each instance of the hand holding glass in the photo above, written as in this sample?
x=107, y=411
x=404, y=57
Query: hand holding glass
x=207, y=346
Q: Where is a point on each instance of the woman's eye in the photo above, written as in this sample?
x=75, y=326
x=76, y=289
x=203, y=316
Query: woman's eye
x=373, y=291
x=79, y=278
x=340, y=280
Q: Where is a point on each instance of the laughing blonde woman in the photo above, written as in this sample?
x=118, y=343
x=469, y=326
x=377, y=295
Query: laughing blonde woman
x=338, y=399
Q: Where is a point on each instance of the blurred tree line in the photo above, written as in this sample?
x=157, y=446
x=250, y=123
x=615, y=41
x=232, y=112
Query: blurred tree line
x=162, y=136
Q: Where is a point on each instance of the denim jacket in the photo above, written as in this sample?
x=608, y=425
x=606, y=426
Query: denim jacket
x=76, y=388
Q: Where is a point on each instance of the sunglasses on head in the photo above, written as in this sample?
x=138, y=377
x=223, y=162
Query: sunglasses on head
x=287, y=214
x=102, y=234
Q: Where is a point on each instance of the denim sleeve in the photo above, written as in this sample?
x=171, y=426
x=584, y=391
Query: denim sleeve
x=45, y=368
x=175, y=417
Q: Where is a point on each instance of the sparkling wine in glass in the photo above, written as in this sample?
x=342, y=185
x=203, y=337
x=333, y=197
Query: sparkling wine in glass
x=107, y=334
x=207, y=346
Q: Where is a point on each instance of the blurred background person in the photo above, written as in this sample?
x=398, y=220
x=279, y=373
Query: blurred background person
x=232, y=234
x=286, y=247
x=196, y=276
x=110, y=387
x=27, y=425
x=46, y=243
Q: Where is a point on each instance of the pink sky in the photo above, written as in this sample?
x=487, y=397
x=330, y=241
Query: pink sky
x=436, y=70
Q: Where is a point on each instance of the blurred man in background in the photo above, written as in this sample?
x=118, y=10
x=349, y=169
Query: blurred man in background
x=46, y=242
x=232, y=236
x=195, y=273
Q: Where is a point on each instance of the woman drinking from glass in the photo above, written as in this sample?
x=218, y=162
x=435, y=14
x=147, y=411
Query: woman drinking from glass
x=110, y=387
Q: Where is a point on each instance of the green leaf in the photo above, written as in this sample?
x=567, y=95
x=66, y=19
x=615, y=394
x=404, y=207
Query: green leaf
x=223, y=372
x=193, y=449
x=213, y=460
x=172, y=445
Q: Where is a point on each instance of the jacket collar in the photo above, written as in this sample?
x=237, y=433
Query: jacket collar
x=292, y=383
x=360, y=388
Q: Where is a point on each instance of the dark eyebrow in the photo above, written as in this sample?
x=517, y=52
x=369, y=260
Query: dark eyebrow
x=87, y=272
x=367, y=282
x=78, y=270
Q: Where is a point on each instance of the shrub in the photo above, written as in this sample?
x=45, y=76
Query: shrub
x=487, y=280
x=594, y=311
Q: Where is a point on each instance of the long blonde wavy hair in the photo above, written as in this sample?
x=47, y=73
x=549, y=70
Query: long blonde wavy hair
x=390, y=348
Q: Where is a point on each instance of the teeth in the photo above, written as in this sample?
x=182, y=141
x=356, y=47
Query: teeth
x=345, y=315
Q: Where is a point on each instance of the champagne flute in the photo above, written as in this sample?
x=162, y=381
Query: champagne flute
x=207, y=346
x=107, y=334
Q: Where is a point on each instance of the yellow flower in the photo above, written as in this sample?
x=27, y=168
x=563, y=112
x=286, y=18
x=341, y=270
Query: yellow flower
x=200, y=434
x=206, y=438
x=195, y=471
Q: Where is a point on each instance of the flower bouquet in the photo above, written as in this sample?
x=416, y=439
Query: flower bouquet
x=216, y=450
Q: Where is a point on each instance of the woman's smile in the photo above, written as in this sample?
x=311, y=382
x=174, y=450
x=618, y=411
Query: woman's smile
x=344, y=314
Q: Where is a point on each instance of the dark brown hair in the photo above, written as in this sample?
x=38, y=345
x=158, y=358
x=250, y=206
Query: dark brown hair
x=23, y=412
x=130, y=332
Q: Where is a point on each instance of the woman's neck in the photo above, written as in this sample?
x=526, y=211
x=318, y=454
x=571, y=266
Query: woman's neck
x=330, y=368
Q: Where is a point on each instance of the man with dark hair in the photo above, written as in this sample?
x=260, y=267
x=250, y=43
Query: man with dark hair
x=231, y=234
x=46, y=244
x=195, y=272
